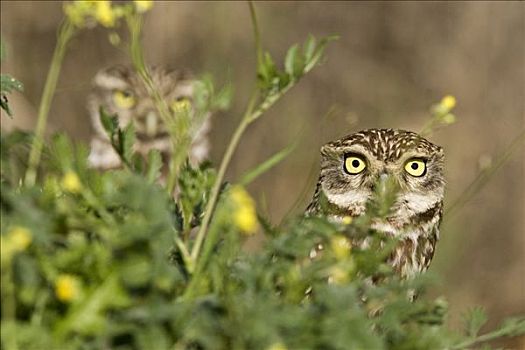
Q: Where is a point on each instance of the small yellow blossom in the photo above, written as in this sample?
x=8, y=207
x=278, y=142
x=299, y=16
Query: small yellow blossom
x=246, y=220
x=20, y=238
x=448, y=102
x=104, y=13
x=79, y=12
x=244, y=215
x=182, y=106
x=341, y=247
x=337, y=275
x=277, y=346
x=143, y=5
x=87, y=12
x=16, y=240
x=71, y=183
x=347, y=220
x=67, y=288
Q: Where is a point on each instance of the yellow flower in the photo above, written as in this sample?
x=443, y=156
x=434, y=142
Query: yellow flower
x=20, y=238
x=16, y=240
x=448, y=102
x=347, y=220
x=78, y=11
x=182, y=106
x=277, y=346
x=86, y=12
x=67, y=288
x=104, y=13
x=244, y=214
x=143, y=5
x=71, y=182
x=338, y=275
x=341, y=247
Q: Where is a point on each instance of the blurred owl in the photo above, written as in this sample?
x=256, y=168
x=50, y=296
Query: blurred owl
x=352, y=166
x=119, y=90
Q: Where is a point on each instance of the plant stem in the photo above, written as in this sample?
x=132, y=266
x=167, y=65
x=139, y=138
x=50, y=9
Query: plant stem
x=249, y=117
x=177, y=127
x=257, y=36
x=65, y=33
x=482, y=338
x=184, y=252
x=218, y=182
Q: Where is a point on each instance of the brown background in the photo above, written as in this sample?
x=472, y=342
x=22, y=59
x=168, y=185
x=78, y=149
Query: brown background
x=392, y=62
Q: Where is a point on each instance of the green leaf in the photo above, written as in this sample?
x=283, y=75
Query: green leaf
x=7, y=85
x=474, y=319
x=121, y=140
x=266, y=165
x=317, y=53
x=194, y=185
x=222, y=100
x=152, y=337
x=513, y=326
x=109, y=122
x=309, y=47
x=289, y=61
x=127, y=140
x=88, y=316
x=266, y=71
x=4, y=104
x=62, y=151
x=154, y=165
x=295, y=62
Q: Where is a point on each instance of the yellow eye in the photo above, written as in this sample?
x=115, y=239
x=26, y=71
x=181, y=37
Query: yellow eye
x=354, y=164
x=181, y=105
x=416, y=167
x=123, y=99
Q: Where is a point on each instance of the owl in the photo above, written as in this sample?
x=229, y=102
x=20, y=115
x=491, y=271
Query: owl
x=352, y=166
x=120, y=91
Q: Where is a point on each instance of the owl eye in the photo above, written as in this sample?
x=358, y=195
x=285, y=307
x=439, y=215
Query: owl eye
x=416, y=167
x=354, y=164
x=124, y=99
x=181, y=104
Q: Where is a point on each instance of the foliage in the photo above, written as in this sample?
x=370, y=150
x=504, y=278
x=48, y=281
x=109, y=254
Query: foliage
x=114, y=260
x=7, y=84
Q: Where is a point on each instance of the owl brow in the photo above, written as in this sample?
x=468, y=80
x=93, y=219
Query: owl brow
x=421, y=158
x=354, y=154
x=111, y=83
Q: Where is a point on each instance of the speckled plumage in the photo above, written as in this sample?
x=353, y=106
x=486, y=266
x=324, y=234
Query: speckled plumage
x=417, y=211
x=150, y=130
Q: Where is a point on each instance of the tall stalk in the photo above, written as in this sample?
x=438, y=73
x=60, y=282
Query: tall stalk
x=177, y=125
x=65, y=33
x=249, y=117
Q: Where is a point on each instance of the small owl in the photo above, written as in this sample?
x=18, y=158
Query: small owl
x=353, y=165
x=119, y=90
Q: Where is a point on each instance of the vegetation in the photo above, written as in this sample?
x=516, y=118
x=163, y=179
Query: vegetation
x=112, y=260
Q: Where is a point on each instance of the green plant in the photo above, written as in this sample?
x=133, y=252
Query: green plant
x=7, y=84
x=112, y=260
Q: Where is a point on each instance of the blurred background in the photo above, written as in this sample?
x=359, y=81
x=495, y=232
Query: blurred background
x=392, y=62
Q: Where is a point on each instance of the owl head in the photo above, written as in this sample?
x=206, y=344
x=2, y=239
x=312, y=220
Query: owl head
x=352, y=166
x=119, y=90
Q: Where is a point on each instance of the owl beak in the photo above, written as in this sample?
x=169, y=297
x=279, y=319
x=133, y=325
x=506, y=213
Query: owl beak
x=385, y=183
x=151, y=124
